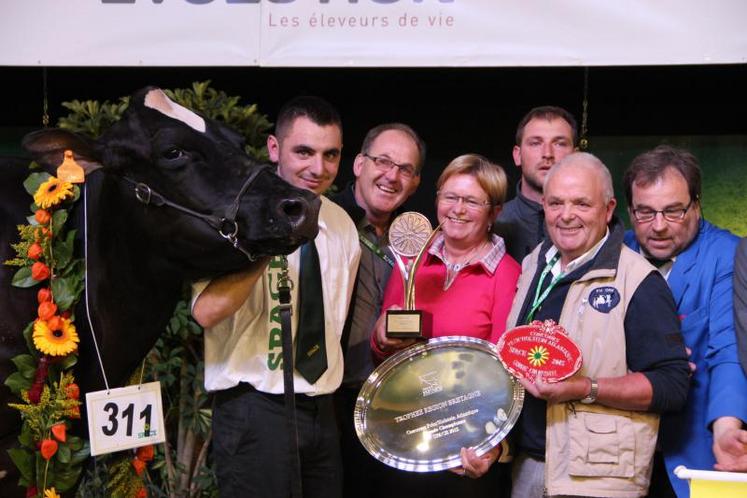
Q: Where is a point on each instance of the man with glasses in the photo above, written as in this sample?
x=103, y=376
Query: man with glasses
x=543, y=137
x=663, y=190
x=387, y=172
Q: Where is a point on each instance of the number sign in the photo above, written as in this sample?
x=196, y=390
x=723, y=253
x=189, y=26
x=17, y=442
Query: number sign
x=124, y=418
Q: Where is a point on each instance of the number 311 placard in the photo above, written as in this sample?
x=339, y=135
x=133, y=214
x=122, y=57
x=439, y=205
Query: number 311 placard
x=124, y=418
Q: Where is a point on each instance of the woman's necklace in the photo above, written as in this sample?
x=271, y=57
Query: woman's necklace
x=453, y=269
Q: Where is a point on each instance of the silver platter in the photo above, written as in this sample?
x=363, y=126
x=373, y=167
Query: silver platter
x=421, y=406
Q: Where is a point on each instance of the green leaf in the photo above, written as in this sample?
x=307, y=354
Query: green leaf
x=74, y=442
x=58, y=220
x=28, y=334
x=26, y=438
x=26, y=365
x=39, y=465
x=80, y=455
x=63, y=290
x=17, y=382
x=24, y=461
x=66, y=478
x=194, y=327
x=34, y=180
x=22, y=278
x=63, y=250
x=63, y=453
x=69, y=361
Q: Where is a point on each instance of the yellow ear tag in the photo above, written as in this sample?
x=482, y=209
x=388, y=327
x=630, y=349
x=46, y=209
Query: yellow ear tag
x=69, y=170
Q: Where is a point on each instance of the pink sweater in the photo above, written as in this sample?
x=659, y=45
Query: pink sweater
x=476, y=304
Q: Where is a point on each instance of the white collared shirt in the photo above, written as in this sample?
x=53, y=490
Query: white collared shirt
x=247, y=347
x=584, y=258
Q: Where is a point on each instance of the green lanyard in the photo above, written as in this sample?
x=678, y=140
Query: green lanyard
x=539, y=299
x=375, y=249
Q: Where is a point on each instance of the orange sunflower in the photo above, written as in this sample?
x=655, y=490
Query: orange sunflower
x=52, y=192
x=56, y=337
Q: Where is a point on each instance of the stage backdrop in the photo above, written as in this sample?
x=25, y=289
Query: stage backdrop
x=365, y=33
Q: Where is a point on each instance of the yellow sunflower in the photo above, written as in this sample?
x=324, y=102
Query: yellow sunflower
x=538, y=355
x=56, y=337
x=51, y=493
x=52, y=192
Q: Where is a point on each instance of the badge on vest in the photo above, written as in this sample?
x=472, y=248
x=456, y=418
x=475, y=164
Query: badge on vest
x=604, y=299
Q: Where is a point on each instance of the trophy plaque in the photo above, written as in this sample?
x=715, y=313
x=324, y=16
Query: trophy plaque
x=540, y=350
x=409, y=235
x=421, y=406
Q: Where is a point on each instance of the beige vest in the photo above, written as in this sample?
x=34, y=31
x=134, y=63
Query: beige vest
x=596, y=450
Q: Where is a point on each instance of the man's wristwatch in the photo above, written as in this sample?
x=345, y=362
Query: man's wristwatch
x=592, y=396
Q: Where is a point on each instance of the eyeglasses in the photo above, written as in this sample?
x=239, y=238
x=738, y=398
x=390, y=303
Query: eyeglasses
x=645, y=215
x=386, y=165
x=449, y=199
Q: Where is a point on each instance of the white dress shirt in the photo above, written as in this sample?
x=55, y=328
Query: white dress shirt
x=247, y=347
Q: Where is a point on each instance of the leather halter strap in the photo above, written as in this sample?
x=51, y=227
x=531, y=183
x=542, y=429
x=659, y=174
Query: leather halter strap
x=225, y=225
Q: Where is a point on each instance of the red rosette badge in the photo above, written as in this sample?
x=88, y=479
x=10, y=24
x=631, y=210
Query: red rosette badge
x=540, y=350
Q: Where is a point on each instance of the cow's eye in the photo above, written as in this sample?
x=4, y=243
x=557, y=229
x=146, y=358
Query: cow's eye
x=173, y=153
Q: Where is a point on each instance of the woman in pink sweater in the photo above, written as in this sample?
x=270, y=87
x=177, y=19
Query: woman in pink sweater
x=466, y=282
x=465, y=286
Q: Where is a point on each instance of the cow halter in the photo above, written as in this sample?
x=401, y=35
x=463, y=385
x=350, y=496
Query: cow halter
x=225, y=225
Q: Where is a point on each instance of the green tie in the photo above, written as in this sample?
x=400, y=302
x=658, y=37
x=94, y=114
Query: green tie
x=311, y=352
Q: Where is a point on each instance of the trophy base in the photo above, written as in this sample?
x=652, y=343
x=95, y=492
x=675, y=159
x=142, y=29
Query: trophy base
x=404, y=324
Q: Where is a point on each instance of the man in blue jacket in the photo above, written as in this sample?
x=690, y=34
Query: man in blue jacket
x=663, y=190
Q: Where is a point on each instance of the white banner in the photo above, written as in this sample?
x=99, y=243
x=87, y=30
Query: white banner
x=361, y=33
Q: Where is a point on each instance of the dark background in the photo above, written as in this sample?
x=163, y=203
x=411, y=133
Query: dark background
x=456, y=110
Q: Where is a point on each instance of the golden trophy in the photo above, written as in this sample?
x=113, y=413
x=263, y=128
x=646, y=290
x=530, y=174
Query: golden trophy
x=409, y=235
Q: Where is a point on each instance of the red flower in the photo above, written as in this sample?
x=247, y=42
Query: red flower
x=39, y=271
x=139, y=465
x=32, y=492
x=42, y=216
x=39, y=377
x=75, y=412
x=55, y=323
x=145, y=453
x=48, y=448
x=72, y=391
x=35, y=251
x=42, y=233
x=47, y=310
x=44, y=294
x=141, y=493
x=59, y=432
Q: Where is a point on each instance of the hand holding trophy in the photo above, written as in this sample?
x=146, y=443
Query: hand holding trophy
x=409, y=235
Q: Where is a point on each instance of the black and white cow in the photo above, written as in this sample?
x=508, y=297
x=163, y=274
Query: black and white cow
x=170, y=196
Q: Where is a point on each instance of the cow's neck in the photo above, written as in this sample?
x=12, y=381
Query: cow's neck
x=132, y=292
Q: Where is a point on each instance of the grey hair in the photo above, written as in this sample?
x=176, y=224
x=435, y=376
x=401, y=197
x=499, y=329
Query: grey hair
x=589, y=161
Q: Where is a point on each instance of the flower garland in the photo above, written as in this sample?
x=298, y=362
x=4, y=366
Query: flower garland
x=50, y=460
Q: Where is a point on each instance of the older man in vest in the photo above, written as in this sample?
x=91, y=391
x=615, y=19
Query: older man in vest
x=594, y=434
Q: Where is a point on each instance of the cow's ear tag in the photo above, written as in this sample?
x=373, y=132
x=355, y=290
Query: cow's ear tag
x=69, y=170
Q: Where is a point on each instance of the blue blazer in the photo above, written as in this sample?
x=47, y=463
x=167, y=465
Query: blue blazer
x=701, y=282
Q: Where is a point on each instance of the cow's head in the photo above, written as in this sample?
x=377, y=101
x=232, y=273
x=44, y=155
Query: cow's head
x=188, y=182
